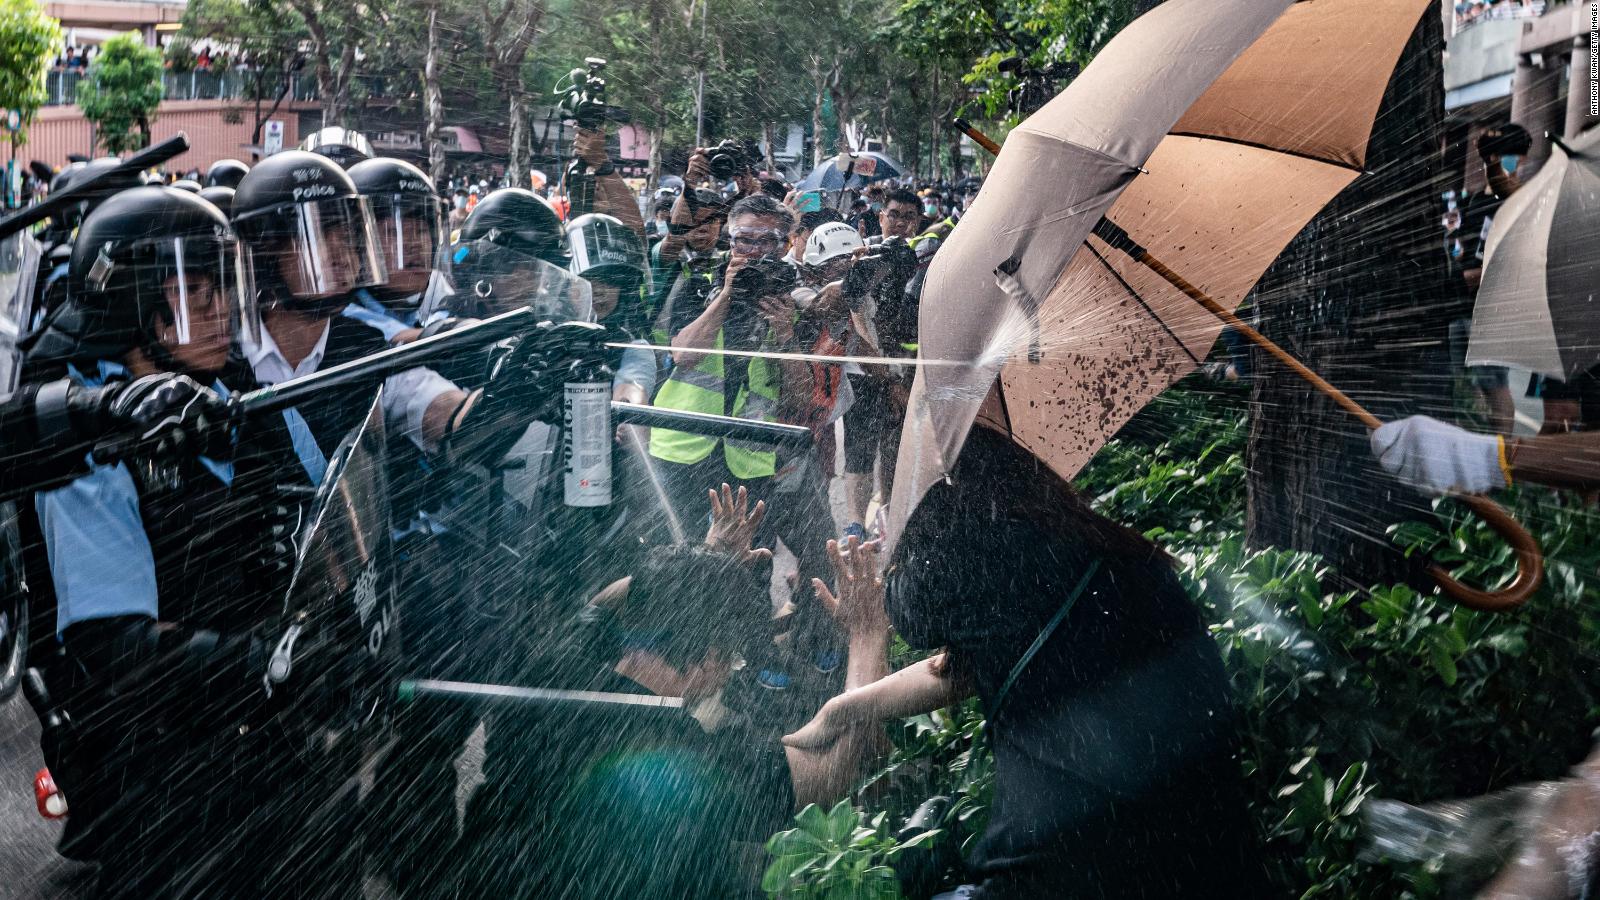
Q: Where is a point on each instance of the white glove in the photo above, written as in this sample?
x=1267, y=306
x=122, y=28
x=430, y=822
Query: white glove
x=1437, y=457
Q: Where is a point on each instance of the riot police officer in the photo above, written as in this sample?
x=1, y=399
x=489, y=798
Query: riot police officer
x=219, y=196
x=151, y=570
x=410, y=220
x=226, y=173
x=344, y=146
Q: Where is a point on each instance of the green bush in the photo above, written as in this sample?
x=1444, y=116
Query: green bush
x=1345, y=695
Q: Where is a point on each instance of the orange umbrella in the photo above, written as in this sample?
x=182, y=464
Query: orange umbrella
x=1173, y=170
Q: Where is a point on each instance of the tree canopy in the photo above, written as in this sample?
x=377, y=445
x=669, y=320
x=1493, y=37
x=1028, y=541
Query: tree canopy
x=121, y=91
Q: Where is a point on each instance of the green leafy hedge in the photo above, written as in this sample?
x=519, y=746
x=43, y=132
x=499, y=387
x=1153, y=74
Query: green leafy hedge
x=1346, y=695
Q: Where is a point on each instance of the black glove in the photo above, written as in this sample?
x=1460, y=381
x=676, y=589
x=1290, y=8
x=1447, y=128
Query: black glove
x=525, y=385
x=163, y=415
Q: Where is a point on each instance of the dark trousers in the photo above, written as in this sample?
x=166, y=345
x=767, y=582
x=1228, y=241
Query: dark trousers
x=185, y=788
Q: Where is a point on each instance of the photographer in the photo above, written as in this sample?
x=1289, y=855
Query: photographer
x=727, y=161
x=888, y=327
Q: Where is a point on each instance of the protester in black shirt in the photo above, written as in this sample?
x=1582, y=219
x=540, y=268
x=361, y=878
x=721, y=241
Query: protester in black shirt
x=1108, y=708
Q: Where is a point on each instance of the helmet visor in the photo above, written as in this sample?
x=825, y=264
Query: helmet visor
x=408, y=230
x=328, y=249
x=196, y=289
x=491, y=278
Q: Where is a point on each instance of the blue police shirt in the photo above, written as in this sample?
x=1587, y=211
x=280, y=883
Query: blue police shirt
x=101, y=563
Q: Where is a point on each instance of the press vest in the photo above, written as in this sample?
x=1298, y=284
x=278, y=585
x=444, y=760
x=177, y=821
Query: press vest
x=701, y=389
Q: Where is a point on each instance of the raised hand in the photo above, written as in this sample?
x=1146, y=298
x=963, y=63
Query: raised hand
x=734, y=524
x=856, y=601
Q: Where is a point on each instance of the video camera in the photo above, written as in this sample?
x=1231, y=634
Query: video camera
x=1035, y=85
x=583, y=100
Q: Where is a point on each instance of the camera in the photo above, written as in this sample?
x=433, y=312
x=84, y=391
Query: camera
x=764, y=277
x=728, y=160
x=583, y=100
x=887, y=261
x=1035, y=85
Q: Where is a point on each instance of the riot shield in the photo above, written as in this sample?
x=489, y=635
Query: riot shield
x=19, y=269
x=333, y=666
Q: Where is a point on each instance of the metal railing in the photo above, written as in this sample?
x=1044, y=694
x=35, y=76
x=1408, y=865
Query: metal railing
x=61, y=87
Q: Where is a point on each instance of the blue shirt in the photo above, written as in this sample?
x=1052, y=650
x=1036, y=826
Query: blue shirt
x=101, y=563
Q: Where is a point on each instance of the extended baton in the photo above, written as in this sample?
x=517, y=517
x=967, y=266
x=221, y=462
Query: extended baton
x=147, y=158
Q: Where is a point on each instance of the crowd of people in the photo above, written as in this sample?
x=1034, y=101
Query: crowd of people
x=186, y=678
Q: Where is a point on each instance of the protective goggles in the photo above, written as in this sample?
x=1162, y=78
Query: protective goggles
x=757, y=238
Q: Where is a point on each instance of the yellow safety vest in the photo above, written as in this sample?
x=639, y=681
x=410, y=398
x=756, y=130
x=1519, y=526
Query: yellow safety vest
x=700, y=389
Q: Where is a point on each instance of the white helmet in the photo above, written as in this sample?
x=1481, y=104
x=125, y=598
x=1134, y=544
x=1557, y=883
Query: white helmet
x=830, y=240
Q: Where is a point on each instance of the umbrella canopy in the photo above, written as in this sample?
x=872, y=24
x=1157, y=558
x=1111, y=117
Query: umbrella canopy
x=828, y=177
x=1538, y=307
x=1211, y=131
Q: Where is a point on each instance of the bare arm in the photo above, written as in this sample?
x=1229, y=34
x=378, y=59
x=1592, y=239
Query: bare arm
x=1558, y=460
x=701, y=334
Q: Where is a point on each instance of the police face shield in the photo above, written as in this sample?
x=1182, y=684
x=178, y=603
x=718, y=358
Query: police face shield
x=491, y=278
x=408, y=234
x=195, y=289
x=322, y=251
x=19, y=269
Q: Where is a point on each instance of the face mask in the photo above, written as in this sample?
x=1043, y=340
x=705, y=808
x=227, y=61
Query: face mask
x=876, y=206
x=1509, y=163
x=461, y=203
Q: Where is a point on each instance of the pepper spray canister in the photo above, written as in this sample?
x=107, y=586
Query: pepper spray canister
x=586, y=435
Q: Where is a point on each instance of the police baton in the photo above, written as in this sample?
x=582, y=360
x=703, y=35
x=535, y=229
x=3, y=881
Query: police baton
x=148, y=158
x=413, y=691
x=373, y=369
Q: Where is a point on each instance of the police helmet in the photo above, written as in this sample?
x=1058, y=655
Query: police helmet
x=79, y=174
x=342, y=145
x=605, y=251
x=308, y=233
x=219, y=196
x=157, y=269
x=226, y=173
x=511, y=252
x=187, y=185
x=409, y=216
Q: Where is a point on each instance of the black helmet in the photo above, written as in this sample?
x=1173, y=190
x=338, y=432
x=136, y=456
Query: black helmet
x=219, y=196
x=79, y=174
x=152, y=268
x=520, y=220
x=605, y=251
x=511, y=253
x=187, y=185
x=226, y=173
x=409, y=216
x=308, y=233
x=342, y=145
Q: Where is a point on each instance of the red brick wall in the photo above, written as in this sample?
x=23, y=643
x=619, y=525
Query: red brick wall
x=59, y=130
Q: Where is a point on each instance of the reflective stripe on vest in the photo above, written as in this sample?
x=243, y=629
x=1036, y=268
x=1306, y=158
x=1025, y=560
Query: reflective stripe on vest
x=700, y=389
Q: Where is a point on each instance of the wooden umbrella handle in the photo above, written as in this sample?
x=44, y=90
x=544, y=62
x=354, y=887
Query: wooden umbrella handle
x=1530, y=561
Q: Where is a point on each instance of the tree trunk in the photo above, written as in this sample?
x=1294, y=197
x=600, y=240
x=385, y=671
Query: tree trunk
x=1360, y=296
x=657, y=136
x=516, y=157
x=818, y=90
x=766, y=138
x=433, y=98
